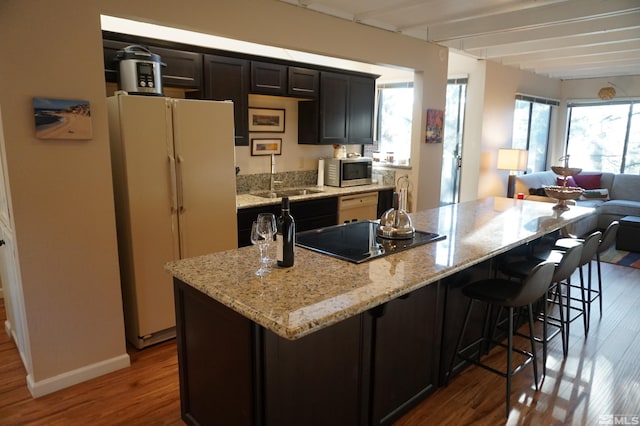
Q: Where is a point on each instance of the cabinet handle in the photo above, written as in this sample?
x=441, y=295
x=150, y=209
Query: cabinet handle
x=378, y=311
x=179, y=183
x=172, y=172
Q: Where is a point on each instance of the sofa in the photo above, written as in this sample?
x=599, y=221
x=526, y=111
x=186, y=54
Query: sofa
x=613, y=195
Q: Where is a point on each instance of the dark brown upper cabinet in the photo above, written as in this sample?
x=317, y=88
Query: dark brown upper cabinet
x=343, y=113
x=268, y=79
x=303, y=82
x=227, y=78
x=282, y=80
x=183, y=69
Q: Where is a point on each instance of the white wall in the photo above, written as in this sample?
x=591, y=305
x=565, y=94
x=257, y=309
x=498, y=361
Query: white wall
x=61, y=194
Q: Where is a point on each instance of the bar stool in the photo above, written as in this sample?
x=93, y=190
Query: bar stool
x=607, y=241
x=566, y=262
x=589, y=249
x=506, y=294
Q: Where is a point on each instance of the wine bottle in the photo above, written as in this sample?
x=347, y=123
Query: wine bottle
x=285, y=237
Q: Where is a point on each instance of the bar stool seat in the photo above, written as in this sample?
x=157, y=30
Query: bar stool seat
x=510, y=295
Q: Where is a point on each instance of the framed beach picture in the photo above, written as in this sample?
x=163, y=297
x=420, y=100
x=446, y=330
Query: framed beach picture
x=435, y=120
x=266, y=120
x=266, y=146
x=62, y=118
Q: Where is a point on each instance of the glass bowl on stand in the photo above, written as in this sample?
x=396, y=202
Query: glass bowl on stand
x=564, y=193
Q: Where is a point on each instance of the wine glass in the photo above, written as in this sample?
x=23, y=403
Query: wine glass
x=268, y=231
x=262, y=233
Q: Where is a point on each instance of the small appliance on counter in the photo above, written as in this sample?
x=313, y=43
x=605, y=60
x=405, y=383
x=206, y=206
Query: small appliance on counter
x=343, y=172
x=395, y=223
x=139, y=71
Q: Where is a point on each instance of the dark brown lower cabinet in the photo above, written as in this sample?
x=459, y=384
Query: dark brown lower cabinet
x=405, y=353
x=320, y=379
x=368, y=369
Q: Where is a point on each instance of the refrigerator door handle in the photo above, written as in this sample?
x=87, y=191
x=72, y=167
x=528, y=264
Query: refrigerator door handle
x=179, y=183
x=172, y=173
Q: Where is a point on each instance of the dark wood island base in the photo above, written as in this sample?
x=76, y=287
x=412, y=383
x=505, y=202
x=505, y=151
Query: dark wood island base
x=368, y=369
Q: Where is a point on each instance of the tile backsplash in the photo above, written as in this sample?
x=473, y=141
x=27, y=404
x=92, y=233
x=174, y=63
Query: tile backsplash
x=295, y=179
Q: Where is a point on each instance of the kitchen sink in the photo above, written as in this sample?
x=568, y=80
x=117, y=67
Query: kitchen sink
x=286, y=193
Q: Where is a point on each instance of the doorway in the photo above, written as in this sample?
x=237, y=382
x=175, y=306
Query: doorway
x=452, y=142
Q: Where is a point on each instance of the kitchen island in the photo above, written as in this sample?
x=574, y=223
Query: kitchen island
x=331, y=342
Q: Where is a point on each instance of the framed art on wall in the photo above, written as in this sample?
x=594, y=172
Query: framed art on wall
x=435, y=120
x=62, y=119
x=266, y=120
x=266, y=146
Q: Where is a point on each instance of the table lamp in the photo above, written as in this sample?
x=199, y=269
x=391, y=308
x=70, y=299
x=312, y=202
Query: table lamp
x=513, y=160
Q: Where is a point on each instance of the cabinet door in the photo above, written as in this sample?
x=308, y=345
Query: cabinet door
x=184, y=69
x=319, y=379
x=385, y=201
x=334, y=108
x=303, y=82
x=227, y=78
x=314, y=214
x=246, y=218
x=361, y=110
x=268, y=79
x=405, y=358
x=109, y=51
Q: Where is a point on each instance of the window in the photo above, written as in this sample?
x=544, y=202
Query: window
x=531, y=124
x=395, y=111
x=605, y=136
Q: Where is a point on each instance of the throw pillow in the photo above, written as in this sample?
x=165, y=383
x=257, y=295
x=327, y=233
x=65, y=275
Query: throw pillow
x=595, y=194
x=570, y=181
x=588, y=181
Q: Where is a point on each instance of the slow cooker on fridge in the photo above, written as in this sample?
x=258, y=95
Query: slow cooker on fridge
x=140, y=71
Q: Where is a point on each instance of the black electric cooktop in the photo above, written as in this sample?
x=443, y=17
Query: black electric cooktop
x=357, y=242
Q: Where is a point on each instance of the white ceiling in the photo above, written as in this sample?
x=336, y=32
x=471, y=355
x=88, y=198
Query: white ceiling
x=564, y=39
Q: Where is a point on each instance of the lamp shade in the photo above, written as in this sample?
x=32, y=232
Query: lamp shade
x=512, y=159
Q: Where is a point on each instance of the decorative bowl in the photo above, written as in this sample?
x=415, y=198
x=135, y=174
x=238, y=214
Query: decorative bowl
x=566, y=171
x=562, y=194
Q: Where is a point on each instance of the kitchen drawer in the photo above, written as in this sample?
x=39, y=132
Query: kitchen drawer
x=358, y=207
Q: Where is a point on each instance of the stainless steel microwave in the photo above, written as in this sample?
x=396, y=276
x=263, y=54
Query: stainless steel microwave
x=347, y=171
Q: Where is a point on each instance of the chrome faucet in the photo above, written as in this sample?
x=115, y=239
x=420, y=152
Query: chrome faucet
x=273, y=182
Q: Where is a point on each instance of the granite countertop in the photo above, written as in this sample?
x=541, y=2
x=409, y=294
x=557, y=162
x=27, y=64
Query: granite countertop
x=320, y=290
x=244, y=201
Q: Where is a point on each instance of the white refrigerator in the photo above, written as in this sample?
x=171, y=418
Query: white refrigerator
x=173, y=163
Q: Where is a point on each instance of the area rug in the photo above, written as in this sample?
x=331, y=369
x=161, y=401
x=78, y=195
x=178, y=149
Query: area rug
x=621, y=257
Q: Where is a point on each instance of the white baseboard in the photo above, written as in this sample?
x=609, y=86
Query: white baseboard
x=70, y=378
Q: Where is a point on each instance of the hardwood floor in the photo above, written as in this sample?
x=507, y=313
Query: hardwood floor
x=600, y=377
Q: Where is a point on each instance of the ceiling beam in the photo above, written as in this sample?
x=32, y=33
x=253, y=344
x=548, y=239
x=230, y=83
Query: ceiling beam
x=625, y=47
x=579, y=40
x=627, y=21
x=569, y=11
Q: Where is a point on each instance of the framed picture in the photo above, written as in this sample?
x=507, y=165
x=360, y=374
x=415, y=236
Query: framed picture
x=62, y=119
x=266, y=146
x=266, y=120
x=435, y=120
